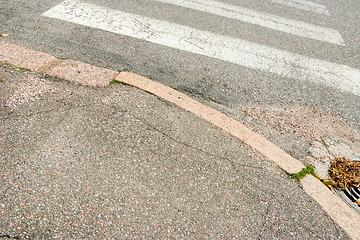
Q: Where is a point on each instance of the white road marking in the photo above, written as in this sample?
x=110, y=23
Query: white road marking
x=304, y=5
x=209, y=44
x=262, y=19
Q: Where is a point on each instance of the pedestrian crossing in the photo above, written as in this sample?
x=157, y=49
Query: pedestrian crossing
x=241, y=52
x=267, y=20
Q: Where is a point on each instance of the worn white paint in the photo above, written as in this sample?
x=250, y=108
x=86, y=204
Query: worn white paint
x=304, y=5
x=237, y=51
x=262, y=19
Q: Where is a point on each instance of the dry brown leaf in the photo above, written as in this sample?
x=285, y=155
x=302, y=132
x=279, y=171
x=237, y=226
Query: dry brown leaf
x=345, y=172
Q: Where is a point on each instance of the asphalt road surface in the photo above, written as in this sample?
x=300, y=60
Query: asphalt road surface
x=288, y=69
x=115, y=163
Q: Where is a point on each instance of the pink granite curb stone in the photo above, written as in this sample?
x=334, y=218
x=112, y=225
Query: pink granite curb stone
x=83, y=73
x=23, y=57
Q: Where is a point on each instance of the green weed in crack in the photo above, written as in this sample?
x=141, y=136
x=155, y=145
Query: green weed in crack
x=116, y=82
x=305, y=171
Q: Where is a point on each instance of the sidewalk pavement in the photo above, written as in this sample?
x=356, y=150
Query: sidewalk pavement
x=113, y=161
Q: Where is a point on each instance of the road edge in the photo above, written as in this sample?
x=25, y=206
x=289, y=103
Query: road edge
x=91, y=75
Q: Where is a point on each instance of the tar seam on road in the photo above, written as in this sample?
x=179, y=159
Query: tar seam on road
x=337, y=209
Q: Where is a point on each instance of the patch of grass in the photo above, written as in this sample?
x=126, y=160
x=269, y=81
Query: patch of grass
x=305, y=171
x=116, y=82
x=2, y=80
x=22, y=69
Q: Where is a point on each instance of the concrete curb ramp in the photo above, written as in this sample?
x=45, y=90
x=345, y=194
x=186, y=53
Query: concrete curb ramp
x=87, y=74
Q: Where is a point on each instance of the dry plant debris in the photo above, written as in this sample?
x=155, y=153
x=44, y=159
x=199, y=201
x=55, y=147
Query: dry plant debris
x=345, y=173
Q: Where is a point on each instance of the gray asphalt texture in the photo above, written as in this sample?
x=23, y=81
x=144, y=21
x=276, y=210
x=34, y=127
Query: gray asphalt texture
x=119, y=163
x=227, y=87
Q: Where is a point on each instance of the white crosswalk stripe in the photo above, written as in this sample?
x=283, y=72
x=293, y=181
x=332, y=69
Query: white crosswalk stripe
x=304, y=5
x=237, y=51
x=262, y=19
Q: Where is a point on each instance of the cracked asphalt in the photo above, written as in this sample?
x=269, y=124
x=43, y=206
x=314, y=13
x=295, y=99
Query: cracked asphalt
x=116, y=162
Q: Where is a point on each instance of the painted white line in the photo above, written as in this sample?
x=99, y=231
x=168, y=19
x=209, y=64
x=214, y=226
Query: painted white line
x=209, y=44
x=304, y=5
x=261, y=19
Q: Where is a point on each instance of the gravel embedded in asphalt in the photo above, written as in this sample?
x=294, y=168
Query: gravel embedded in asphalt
x=115, y=162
